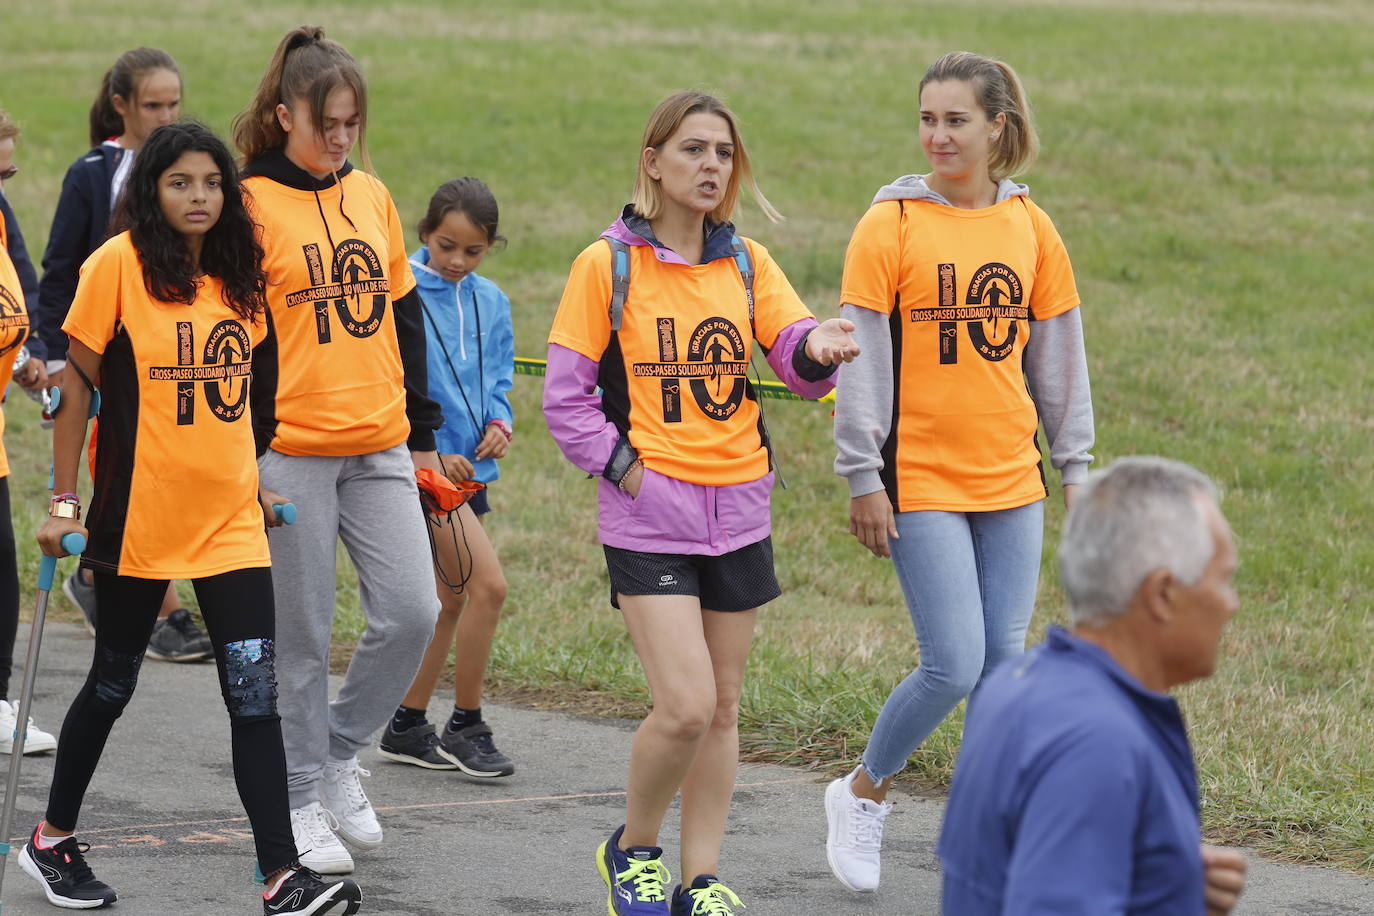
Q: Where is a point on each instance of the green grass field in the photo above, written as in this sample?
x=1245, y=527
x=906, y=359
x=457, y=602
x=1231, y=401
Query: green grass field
x=1208, y=165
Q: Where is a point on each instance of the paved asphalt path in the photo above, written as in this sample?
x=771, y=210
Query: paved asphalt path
x=167, y=832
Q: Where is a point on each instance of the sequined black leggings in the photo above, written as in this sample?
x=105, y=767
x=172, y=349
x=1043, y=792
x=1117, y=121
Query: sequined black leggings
x=238, y=611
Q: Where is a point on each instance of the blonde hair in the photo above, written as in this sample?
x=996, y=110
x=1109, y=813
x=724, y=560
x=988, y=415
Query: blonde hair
x=308, y=67
x=7, y=127
x=663, y=123
x=999, y=91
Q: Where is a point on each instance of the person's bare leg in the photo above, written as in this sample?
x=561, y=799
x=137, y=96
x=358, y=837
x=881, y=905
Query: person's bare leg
x=671, y=645
x=486, y=591
x=710, y=782
x=170, y=602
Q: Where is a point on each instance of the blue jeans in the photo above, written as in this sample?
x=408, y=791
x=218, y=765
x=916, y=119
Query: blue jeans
x=969, y=580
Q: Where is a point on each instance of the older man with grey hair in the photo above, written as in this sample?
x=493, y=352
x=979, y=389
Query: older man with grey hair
x=1075, y=790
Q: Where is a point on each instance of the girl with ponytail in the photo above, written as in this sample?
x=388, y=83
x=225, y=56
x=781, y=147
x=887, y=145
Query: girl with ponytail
x=344, y=419
x=936, y=427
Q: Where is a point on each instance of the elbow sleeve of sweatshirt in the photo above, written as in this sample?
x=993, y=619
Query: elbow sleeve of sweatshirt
x=572, y=409
x=863, y=402
x=1056, y=365
x=422, y=411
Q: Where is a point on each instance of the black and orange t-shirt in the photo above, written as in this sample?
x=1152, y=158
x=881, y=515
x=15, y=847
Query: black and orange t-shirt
x=14, y=328
x=674, y=376
x=176, y=476
x=963, y=289
x=335, y=261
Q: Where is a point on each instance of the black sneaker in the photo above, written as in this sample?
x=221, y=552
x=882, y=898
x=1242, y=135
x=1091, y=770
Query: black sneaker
x=64, y=874
x=304, y=893
x=178, y=639
x=418, y=746
x=474, y=752
x=82, y=594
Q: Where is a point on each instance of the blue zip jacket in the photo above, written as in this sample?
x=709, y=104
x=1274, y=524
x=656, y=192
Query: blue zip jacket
x=465, y=321
x=80, y=225
x=1075, y=794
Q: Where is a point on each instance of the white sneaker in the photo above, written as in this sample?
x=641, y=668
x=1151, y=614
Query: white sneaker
x=855, y=841
x=341, y=793
x=36, y=741
x=319, y=849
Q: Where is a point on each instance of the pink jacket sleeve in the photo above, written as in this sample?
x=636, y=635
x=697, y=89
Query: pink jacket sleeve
x=572, y=409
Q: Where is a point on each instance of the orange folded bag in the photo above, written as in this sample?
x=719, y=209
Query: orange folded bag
x=439, y=494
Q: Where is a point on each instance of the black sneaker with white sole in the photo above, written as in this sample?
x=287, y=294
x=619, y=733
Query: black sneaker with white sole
x=475, y=752
x=82, y=594
x=178, y=639
x=304, y=893
x=64, y=874
x=418, y=746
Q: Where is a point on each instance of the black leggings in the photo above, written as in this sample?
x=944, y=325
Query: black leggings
x=9, y=590
x=239, y=614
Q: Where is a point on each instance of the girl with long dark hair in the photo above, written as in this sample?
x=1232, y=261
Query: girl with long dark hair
x=168, y=321
x=139, y=93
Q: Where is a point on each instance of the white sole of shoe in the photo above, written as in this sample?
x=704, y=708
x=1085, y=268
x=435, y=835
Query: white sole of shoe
x=31, y=747
x=416, y=761
x=834, y=801
x=31, y=869
x=334, y=866
x=360, y=842
x=469, y=771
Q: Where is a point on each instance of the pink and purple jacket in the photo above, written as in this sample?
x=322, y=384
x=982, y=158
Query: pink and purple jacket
x=589, y=418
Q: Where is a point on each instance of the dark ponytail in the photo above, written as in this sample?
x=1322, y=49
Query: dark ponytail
x=122, y=80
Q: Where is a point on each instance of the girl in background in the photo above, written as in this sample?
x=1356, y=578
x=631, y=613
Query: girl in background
x=471, y=350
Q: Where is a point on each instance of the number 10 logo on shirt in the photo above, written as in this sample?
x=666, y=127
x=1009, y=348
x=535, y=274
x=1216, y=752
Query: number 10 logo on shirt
x=357, y=288
x=994, y=293
x=222, y=372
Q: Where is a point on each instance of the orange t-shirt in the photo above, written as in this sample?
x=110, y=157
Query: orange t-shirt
x=679, y=370
x=176, y=481
x=965, y=287
x=331, y=281
x=14, y=328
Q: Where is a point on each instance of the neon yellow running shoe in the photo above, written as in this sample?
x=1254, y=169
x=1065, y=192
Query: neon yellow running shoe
x=637, y=878
x=706, y=897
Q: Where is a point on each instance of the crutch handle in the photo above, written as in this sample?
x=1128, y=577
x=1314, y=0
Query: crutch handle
x=55, y=397
x=285, y=512
x=73, y=542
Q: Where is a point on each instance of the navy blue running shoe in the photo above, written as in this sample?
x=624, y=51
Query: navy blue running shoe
x=636, y=878
x=706, y=897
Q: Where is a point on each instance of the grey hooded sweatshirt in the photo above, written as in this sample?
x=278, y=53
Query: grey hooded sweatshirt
x=1054, y=361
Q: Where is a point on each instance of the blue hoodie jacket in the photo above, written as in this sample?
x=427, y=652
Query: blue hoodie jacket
x=471, y=347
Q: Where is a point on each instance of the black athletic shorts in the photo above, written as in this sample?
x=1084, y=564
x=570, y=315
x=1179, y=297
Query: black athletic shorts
x=478, y=502
x=736, y=581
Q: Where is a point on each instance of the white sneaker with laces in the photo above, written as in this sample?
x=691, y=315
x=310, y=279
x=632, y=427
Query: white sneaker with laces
x=855, y=841
x=341, y=793
x=36, y=741
x=319, y=849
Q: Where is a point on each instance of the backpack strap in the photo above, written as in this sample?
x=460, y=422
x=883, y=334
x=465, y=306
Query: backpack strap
x=620, y=281
x=746, y=271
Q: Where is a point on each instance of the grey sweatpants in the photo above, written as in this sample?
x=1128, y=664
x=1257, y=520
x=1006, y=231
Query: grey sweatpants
x=370, y=501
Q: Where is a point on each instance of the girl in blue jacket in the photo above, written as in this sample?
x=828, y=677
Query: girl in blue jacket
x=471, y=350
